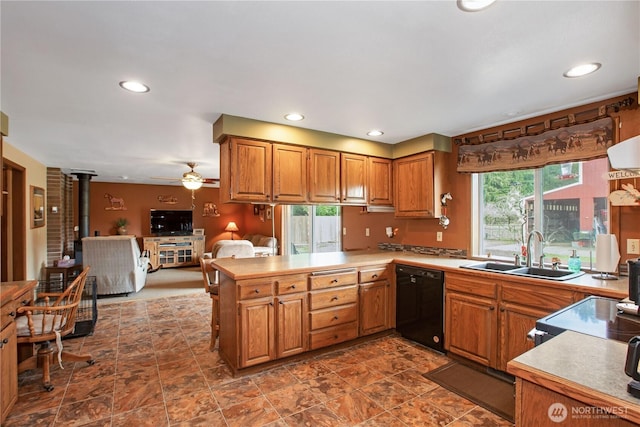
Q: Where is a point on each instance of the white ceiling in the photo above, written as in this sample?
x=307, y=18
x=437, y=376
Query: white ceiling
x=408, y=68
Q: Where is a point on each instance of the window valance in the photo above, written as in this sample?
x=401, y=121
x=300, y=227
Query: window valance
x=568, y=143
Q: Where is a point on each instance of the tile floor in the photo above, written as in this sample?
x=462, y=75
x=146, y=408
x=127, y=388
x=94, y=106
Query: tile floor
x=153, y=368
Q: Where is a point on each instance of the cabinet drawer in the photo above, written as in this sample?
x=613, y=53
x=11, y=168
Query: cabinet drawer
x=333, y=297
x=254, y=289
x=291, y=284
x=333, y=316
x=470, y=284
x=330, y=280
x=373, y=274
x=8, y=313
x=539, y=297
x=335, y=335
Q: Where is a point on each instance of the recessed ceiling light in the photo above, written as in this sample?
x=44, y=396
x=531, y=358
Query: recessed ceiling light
x=375, y=132
x=132, y=86
x=294, y=117
x=474, y=5
x=582, y=69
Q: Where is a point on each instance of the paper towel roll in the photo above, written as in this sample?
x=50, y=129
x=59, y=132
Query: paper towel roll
x=607, y=253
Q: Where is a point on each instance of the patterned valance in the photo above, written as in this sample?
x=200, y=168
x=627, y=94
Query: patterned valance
x=577, y=142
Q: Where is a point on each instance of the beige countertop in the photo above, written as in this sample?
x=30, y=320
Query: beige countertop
x=248, y=268
x=586, y=368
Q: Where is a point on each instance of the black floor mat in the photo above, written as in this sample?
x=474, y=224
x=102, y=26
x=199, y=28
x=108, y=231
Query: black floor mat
x=493, y=394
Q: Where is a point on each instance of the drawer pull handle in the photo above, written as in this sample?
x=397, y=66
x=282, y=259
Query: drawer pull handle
x=374, y=276
x=257, y=291
x=335, y=317
x=335, y=337
x=293, y=286
x=334, y=281
x=334, y=299
x=24, y=302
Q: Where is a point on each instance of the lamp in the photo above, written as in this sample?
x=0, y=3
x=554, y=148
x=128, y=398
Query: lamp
x=231, y=227
x=607, y=256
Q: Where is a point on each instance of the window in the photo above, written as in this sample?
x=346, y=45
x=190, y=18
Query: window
x=309, y=228
x=567, y=202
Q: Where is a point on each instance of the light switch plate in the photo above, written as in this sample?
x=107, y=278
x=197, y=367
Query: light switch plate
x=633, y=246
x=366, y=232
x=439, y=236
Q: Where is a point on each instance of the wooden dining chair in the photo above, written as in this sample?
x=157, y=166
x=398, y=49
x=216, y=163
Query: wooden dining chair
x=212, y=286
x=51, y=317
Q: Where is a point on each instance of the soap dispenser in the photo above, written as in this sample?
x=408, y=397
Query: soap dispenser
x=574, y=262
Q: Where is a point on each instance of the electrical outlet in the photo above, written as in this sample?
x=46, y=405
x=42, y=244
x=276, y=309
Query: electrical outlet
x=633, y=246
x=344, y=231
x=366, y=232
x=439, y=236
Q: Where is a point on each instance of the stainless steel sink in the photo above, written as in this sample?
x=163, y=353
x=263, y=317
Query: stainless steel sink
x=544, y=273
x=534, y=272
x=491, y=266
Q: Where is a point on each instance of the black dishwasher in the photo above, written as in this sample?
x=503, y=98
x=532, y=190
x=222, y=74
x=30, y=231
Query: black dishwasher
x=420, y=305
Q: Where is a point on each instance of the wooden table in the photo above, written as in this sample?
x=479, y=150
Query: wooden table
x=66, y=272
x=12, y=296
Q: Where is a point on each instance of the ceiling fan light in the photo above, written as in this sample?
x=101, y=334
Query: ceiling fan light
x=191, y=184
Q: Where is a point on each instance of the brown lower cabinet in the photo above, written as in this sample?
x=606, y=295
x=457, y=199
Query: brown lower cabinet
x=487, y=319
x=264, y=319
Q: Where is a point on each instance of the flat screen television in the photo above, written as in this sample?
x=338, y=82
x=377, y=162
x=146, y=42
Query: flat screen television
x=171, y=222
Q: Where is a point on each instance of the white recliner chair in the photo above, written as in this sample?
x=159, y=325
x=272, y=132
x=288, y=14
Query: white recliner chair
x=232, y=248
x=116, y=262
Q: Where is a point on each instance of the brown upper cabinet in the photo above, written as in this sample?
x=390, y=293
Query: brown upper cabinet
x=245, y=170
x=353, y=179
x=380, y=181
x=324, y=176
x=419, y=181
x=289, y=173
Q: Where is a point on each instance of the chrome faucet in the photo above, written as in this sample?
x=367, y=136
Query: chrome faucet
x=529, y=254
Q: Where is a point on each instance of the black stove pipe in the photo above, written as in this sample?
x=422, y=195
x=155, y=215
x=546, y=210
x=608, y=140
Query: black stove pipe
x=83, y=204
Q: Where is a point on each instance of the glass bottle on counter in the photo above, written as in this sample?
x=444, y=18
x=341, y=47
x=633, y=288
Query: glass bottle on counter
x=574, y=262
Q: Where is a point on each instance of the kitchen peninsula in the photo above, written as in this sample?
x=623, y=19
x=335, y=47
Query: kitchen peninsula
x=275, y=307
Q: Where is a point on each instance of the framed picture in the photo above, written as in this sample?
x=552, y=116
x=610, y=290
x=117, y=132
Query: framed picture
x=198, y=231
x=37, y=207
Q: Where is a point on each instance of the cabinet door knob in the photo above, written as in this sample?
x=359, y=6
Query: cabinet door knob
x=492, y=308
x=12, y=314
x=257, y=291
x=335, y=317
x=293, y=286
x=502, y=309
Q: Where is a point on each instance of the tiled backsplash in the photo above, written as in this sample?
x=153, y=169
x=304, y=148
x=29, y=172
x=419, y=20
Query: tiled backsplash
x=424, y=250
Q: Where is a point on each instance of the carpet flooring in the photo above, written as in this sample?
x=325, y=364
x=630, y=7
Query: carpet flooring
x=493, y=394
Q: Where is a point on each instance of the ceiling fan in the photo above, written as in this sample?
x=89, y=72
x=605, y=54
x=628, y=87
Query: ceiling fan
x=192, y=180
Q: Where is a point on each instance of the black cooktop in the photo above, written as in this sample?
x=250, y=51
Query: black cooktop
x=597, y=316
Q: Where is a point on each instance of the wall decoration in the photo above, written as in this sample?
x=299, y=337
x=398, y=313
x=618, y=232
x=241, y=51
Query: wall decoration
x=115, y=203
x=169, y=200
x=210, y=209
x=37, y=207
x=628, y=196
x=583, y=141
